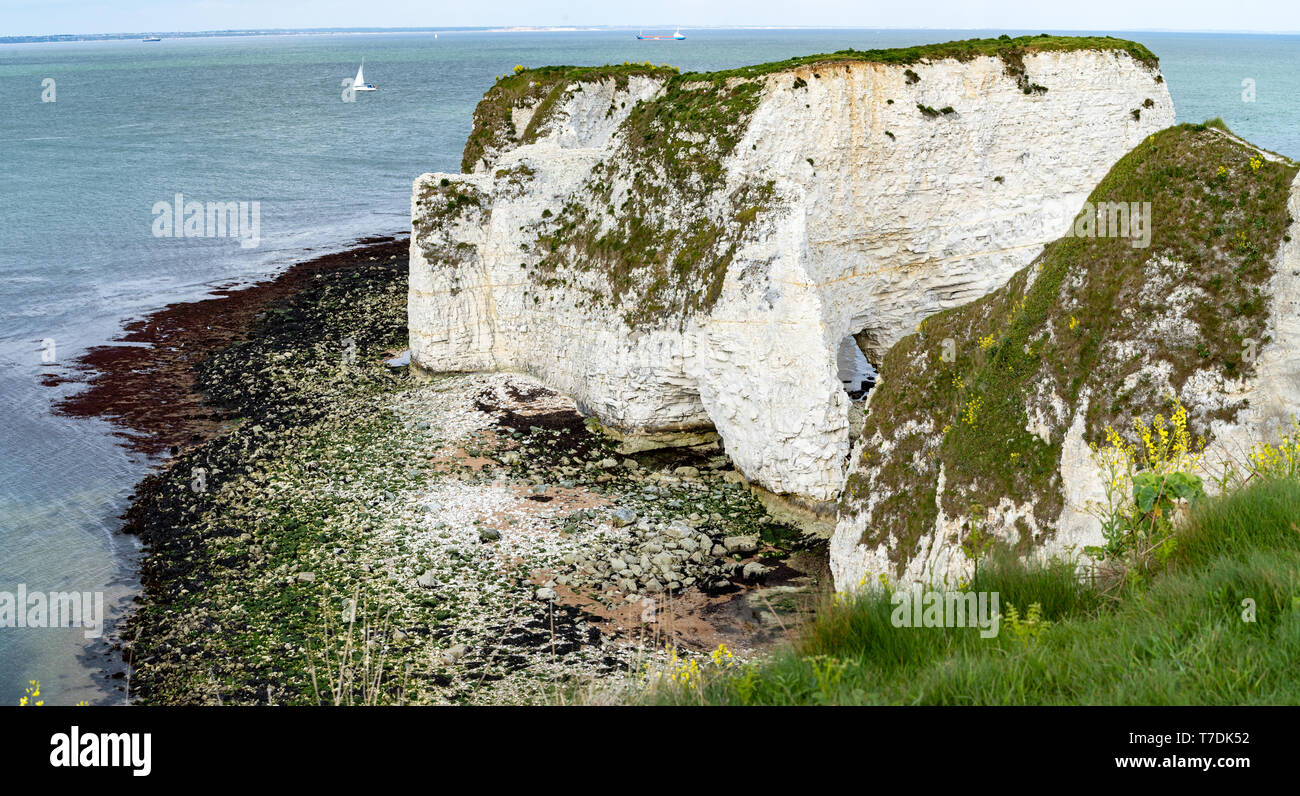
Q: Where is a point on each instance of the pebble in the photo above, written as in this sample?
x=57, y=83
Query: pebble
x=755, y=571
x=455, y=653
x=740, y=544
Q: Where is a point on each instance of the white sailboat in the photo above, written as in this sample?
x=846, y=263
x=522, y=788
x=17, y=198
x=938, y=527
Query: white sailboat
x=360, y=84
x=677, y=36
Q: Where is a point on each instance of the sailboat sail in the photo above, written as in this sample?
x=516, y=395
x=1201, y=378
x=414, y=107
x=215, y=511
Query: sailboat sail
x=360, y=84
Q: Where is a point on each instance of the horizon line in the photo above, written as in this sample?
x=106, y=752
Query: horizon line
x=44, y=38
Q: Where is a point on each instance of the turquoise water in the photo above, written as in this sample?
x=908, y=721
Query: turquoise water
x=261, y=119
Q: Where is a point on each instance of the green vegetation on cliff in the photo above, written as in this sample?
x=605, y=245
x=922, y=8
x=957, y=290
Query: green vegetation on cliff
x=546, y=86
x=648, y=264
x=1011, y=51
x=672, y=149
x=541, y=88
x=963, y=50
x=1091, y=316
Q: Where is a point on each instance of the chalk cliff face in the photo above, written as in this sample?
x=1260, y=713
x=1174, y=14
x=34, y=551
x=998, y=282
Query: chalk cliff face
x=683, y=253
x=993, y=440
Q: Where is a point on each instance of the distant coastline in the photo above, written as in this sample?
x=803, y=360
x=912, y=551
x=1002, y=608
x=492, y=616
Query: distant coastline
x=247, y=32
x=214, y=34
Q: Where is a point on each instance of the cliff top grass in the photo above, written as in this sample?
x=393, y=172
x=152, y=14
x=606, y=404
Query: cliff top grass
x=1004, y=47
x=1090, y=316
x=673, y=147
x=546, y=86
x=543, y=86
x=717, y=105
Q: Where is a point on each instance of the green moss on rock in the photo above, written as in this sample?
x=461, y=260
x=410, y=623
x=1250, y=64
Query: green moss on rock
x=543, y=89
x=1004, y=47
x=672, y=148
x=1090, y=316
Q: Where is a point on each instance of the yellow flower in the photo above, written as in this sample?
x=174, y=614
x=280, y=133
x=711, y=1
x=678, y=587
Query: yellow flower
x=30, y=698
x=722, y=656
x=1277, y=461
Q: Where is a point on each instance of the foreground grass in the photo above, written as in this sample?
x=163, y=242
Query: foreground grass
x=1178, y=636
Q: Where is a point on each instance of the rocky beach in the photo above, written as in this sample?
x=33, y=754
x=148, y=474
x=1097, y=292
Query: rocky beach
x=601, y=428
x=546, y=359
x=326, y=527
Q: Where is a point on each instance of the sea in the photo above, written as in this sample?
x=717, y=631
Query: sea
x=97, y=136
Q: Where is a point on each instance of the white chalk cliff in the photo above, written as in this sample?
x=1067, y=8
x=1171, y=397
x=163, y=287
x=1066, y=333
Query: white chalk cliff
x=994, y=443
x=853, y=197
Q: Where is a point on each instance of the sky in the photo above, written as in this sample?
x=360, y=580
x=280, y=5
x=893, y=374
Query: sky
x=36, y=17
